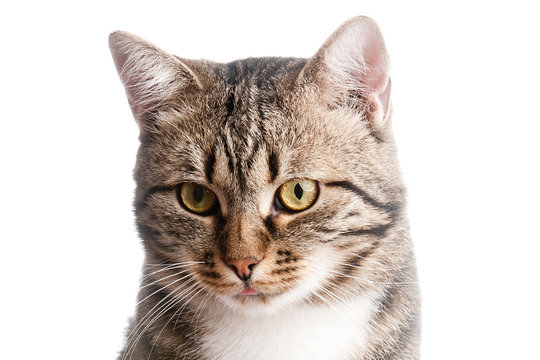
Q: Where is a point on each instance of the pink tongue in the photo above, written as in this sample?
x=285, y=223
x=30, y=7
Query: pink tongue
x=249, y=291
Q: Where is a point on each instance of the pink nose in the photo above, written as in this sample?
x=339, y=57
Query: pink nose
x=243, y=267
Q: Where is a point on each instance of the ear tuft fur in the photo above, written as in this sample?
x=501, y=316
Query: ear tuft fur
x=353, y=68
x=149, y=74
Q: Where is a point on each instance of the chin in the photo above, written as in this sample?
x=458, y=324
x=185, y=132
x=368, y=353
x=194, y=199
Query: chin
x=263, y=303
x=253, y=304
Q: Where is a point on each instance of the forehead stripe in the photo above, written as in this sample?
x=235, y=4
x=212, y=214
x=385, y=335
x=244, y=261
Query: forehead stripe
x=209, y=166
x=273, y=165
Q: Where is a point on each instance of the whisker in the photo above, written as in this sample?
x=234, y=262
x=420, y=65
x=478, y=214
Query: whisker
x=174, y=264
x=397, y=283
x=157, y=308
x=186, y=303
x=162, y=288
x=198, y=313
x=173, y=316
x=382, y=268
x=328, y=304
x=161, y=279
x=134, y=336
x=163, y=310
x=171, y=267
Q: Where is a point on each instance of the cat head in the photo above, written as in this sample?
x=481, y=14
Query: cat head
x=265, y=181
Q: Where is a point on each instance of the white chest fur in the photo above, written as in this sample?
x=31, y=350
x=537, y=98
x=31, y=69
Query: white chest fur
x=300, y=332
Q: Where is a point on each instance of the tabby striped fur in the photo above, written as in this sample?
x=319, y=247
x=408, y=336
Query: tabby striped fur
x=336, y=281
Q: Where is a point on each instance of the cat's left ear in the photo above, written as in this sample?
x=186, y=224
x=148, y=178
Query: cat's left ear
x=150, y=75
x=352, y=69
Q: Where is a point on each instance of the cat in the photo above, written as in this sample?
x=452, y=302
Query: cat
x=270, y=205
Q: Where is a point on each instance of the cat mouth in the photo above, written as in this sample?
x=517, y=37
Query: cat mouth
x=250, y=294
x=249, y=291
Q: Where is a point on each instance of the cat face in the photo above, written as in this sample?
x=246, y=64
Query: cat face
x=265, y=182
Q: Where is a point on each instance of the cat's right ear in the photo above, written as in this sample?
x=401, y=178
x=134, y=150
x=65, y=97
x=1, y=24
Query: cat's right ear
x=150, y=75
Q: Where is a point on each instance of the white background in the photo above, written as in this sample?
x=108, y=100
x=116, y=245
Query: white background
x=466, y=115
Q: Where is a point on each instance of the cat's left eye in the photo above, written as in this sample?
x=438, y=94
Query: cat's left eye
x=298, y=194
x=197, y=198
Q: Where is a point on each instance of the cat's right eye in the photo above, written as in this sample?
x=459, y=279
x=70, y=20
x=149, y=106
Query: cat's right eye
x=197, y=198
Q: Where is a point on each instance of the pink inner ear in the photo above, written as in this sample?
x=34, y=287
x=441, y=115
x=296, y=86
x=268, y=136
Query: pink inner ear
x=375, y=58
x=384, y=97
x=356, y=60
x=376, y=73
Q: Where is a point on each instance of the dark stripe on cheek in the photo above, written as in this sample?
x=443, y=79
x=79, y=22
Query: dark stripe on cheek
x=284, y=270
x=211, y=274
x=147, y=232
x=391, y=208
x=379, y=231
x=156, y=189
x=350, y=266
x=354, y=263
x=142, y=204
x=159, y=249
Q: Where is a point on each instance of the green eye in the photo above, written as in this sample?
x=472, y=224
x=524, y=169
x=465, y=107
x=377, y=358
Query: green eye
x=197, y=198
x=298, y=194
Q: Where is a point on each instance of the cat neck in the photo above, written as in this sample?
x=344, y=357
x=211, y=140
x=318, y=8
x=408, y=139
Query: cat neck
x=298, y=332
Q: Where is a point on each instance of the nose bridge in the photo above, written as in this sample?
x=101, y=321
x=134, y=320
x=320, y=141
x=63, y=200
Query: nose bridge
x=243, y=239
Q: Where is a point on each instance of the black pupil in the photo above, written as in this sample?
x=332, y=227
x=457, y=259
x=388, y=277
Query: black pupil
x=298, y=191
x=198, y=193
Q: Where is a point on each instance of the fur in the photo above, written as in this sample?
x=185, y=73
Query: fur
x=334, y=281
